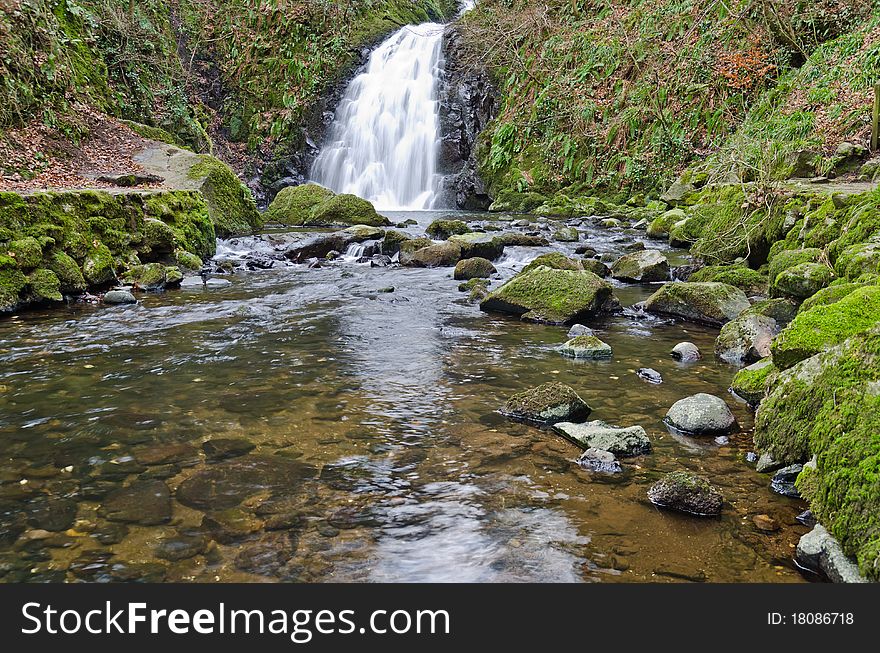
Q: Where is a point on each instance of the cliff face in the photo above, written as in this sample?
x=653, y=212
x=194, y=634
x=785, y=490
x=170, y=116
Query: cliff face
x=468, y=101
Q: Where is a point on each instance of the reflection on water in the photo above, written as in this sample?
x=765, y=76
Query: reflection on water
x=371, y=421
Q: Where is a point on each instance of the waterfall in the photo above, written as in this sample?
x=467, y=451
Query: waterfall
x=384, y=142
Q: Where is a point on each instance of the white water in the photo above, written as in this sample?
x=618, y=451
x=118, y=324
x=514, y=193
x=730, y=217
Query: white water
x=384, y=142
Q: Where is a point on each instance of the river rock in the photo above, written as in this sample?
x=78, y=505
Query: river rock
x=623, y=442
x=701, y=414
x=709, y=303
x=228, y=484
x=52, y=513
x=443, y=229
x=686, y=492
x=182, y=546
x=567, y=235
x=599, y=460
x=231, y=525
x=268, y=556
x=820, y=552
x=766, y=464
x=650, y=375
x=641, y=267
x=445, y=254
x=142, y=502
x=550, y=296
x=473, y=268
x=163, y=454
x=223, y=448
x=746, y=339
x=547, y=404
x=119, y=297
x=802, y=281
x=783, y=481
x=686, y=352
x=579, y=330
x=589, y=347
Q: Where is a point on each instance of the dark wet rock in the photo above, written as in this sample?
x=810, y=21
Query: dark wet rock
x=351, y=517
x=223, y=448
x=288, y=521
x=686, y=492
x=116, y=297
x=547, y=404
x=599, y=460
x=445, y=254
x=268, y=556
x=473, y=268
x=387, y=290
x=586, y=347
x=550, y=296
x=163, y=454
x=13, y=521
x=137, y=572
x=567, y=235
x=701, y=414
x=182, y=546
x=586, y=251
x=821, y=553
x=596, y=267
x=163, y=472
x=142, y=502
x=746, y=339
x=326, y=530
x=580, y=330
x=51, y=513
x=783, y=481
x=231, y=525
x=513, y=239
x=807, y=518
x=681, y=572
x=650, y=375
x=709, y=303
x=228, y=484
x=686, y=352
x=623, y=442
x=110, y=533
x=646, y=266
x=119, y=469
x=319, y=246
x=766, y=464
x=480, y=245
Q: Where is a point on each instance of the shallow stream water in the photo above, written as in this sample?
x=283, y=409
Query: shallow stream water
x=378, y=454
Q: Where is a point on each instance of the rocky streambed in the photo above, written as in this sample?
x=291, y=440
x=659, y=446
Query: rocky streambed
x=315, y=411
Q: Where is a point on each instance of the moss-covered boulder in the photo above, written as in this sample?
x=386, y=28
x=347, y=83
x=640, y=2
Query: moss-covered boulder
x=294, y=205
x=188, y=261
x=516, y=239
x=661, y=226
x=550, y=296
x=99, y=266
x=44, y=286
x=443, y=229
x=347, y=210
x=12, y=284
x=751, y=383
x=746, y=339
x=830, y=295
x=687, y=492
x=392, y=242
x=27, y=252
x=790, y=258
x=647, y=266
x=780, y=309
x=566, y=235
x=547, y=404
x=508, y=201
x=857, y=260
x=595, y=266
x=555, y=260
x=822, y=327
x=709, y=303
x=69, y=275
x=586, y=347
x=751, y=282
x=445, y=254
x=473, y=268
x=409, y=247
x=481, y=245
x=159, y=240
x=230, y=203
x=802, y=281
x=828, y=406
x=154, y=276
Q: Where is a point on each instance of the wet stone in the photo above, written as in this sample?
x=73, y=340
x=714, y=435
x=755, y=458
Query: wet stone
x=686, y=492
x=182, y=546
x=783, y=481
x=142, y=502
x=119, y=470
x=52, y=514
x=650, y=375
x=225, y=448
x=765, y=523
x=111, y=533
x=686, y=352
x=232, y=525
x=163, y=454
x=352, y=517
x=598, y=460
x=268, y=556
x=160, y=472
x=228, y=484
x=326, y=530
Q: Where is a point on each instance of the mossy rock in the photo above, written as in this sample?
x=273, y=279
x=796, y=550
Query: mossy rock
x=392, y=242
x=443, y=229
x=481, y=245
x=188, y=260
x=588, y=347
x=69, y=275
x=294, y=205
x=347, y=210
x=823, y=327
x=44, y=286
x=780, y=309
x=473, y=268
x=146, y=277
x=828, y=406
x=230, y=203
x=855, y=261
x=751, y=282
x=159, y=239
x=99, y=267
x=410, y=246
x=830, y=295
x=751, y=383
x=513, y=202
x=787, y=259
x=555, y=260
x=473, y=283
x=647, y=266
x=516, y=239
x=566, y=235
x=802, y=281
x=551, y=296
x=709, y=303
x=436, y=255
x=12, y=283
x=27, y=252
x=661, y=225
x=549, y=403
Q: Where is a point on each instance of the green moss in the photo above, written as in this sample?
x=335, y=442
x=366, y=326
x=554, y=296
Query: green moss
x=152, y=133
x=99, y=266
x=186, y=212
x=473, y=283
x=780, y=309
x=443, y=229
x=802, y=281
x=555, y=260
x=12, y=283
x=473, y=268
x=749, y=281
x=858, y=260
x=547, y=403
x=159, y=240
x=187, y=260
x=173, y=276
x=27, y=252
x=392, y=242
x=147, y=277
x=69, y=275
x=230, y=203
x=662, y=225
x=751, y=383
x=787, y=259
x=824, y=326
x=707, y=303
x=833, y=293
x=550, y=296
x=44, y=286
x=509, y=201
x=294, y=205
x=347, y=210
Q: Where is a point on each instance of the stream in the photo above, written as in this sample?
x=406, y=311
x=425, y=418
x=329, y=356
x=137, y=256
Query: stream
x=353, y=435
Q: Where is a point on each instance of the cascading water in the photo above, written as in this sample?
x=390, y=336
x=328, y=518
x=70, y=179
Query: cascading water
x=384, y=142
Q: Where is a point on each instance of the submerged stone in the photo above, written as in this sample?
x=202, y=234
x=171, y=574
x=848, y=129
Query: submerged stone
x=142, y=502
x=687, y=492
x=587, y=347
x=709, y=303
x=599, y=460
x=547, y=404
